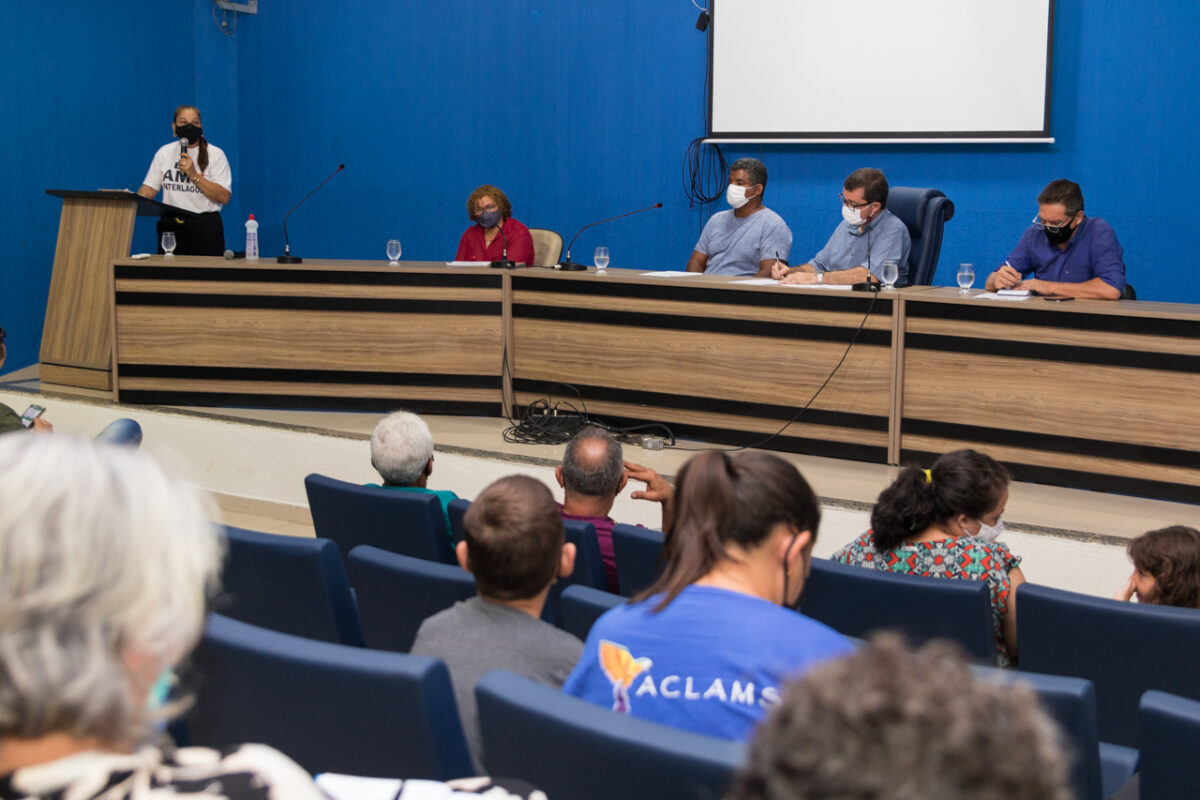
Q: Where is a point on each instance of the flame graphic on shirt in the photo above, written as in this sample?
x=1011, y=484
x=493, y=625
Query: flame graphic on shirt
x=621, y=668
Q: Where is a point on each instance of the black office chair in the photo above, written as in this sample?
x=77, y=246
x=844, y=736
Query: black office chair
x=925, y=212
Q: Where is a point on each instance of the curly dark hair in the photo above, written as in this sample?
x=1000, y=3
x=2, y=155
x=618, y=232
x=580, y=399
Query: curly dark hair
x=1172, y=557
x=888, y=724
x=961, y=482
x=487, y=190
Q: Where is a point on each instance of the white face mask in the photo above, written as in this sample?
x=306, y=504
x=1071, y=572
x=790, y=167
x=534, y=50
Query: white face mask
x=990, y=533
x=736, y=195
x=852, y=215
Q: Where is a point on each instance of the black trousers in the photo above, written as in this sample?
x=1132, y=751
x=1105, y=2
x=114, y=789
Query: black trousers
x=195, y=236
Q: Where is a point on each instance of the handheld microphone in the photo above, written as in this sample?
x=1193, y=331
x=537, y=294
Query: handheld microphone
x=503, y=263
x=183, y=146
x=569, y=265
x=287, y=257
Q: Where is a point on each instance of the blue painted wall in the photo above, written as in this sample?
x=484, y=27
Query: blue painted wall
x=577, y=109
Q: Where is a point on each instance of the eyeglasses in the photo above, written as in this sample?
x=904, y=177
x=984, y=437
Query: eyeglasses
x=1037, y=220
x=851, y=203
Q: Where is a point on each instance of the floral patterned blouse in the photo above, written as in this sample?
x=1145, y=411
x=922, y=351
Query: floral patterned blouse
x=965, y=558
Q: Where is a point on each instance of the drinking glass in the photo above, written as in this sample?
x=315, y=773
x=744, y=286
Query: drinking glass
x=601, y=259
x=966, y=277
x=393, y=251
x=891, y=271
x=168, y=243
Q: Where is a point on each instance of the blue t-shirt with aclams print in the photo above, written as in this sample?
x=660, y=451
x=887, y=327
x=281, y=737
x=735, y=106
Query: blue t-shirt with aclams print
x=713, y=661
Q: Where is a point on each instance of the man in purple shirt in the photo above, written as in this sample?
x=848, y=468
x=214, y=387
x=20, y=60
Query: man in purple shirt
x=592, y=474
x=1067, y=252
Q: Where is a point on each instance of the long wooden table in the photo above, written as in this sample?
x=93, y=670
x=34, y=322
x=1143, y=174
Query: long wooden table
x=1086, y=393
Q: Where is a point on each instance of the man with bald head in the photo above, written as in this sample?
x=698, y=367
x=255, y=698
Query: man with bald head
x=592, y=474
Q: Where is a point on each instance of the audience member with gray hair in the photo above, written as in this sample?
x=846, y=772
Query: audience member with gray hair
x=592, y=474
x=402, y=454
x=104, y=563
x=888, y=724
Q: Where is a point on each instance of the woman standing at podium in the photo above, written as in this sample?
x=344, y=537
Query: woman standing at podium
x=196, y=179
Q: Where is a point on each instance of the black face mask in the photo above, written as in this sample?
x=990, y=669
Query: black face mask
x=190, y=132
x=1061, y=237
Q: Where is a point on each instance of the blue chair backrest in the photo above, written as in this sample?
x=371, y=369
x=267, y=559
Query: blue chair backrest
x=589, y=567
x=456, y=510
x=397, y=593
x=580, y=606
x=571, y=748
x=857, y=600
x=925, y=213
x=411, y=523
x=1124, y=649
x=1072, y=704
x=638, y=553
x=329, y=707
x=1170, y=728
x=290, y=584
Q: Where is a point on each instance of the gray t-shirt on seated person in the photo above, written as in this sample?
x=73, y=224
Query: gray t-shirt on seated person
x=737, y=245
x=476, y=636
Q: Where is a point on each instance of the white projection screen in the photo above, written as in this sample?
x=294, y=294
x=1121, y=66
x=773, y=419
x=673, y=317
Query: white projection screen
x=879, y=70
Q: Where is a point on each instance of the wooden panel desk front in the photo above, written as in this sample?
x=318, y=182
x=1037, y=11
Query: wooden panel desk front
x=709, y=357
x=1090, y=394
x=322, y=334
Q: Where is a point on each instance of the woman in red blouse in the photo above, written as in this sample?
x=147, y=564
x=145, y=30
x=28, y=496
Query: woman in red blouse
x=495, y=233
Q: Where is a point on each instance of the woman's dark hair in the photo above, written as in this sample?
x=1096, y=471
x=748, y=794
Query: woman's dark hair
x=722, y=500
x=1172, y=557
x=494, y=192
x=962, y=482
x=202, y=161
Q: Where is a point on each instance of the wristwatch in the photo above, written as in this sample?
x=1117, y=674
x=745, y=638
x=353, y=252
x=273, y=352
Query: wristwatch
x=820, y=278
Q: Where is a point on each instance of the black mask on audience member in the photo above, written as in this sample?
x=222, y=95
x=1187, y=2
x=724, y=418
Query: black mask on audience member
x=190, y=132
x=1061, y=237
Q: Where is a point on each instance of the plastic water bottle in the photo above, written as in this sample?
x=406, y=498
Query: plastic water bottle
x=251, y=239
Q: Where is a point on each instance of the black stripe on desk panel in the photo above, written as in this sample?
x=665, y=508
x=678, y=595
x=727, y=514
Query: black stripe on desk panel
x=1005, y=314
x=1078, y=479
x=841, y=419
x=180, y=372
x=742, y=438
x=1070, y=353
x=679, y=322
x=304, y=402
x=852, y=302
x=1053, y=443
x=367, y=304
x=331, y=275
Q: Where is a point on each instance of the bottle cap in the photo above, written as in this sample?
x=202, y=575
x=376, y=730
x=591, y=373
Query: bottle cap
x=251, y=216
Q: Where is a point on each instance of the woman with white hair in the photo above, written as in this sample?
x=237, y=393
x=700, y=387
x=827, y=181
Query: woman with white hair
x=104, y=562
x=104, y=565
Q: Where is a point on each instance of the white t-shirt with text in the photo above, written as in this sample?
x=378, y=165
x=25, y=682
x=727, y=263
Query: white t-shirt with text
x=177, y=189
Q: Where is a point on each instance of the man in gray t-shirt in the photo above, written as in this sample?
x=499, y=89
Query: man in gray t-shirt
x=749, y=239
x=513, y=543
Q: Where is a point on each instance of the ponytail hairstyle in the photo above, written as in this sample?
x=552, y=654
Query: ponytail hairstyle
x=202, y=161
x=723, y=500
x=1172, y=557
x=962, y=482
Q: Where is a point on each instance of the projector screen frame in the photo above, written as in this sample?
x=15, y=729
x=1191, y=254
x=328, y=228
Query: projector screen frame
x=1041, y=136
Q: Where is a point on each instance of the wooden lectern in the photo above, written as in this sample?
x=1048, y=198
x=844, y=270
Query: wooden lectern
x=95, y=228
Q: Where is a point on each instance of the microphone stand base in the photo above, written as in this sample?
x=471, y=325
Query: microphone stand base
x=571, y=266
x=289, y=260
x=866, y=286
x=504, y=265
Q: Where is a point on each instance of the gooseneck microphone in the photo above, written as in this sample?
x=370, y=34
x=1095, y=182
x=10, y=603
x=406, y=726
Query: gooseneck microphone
x=569, y=265
x=503, y=263
x=287, y=257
